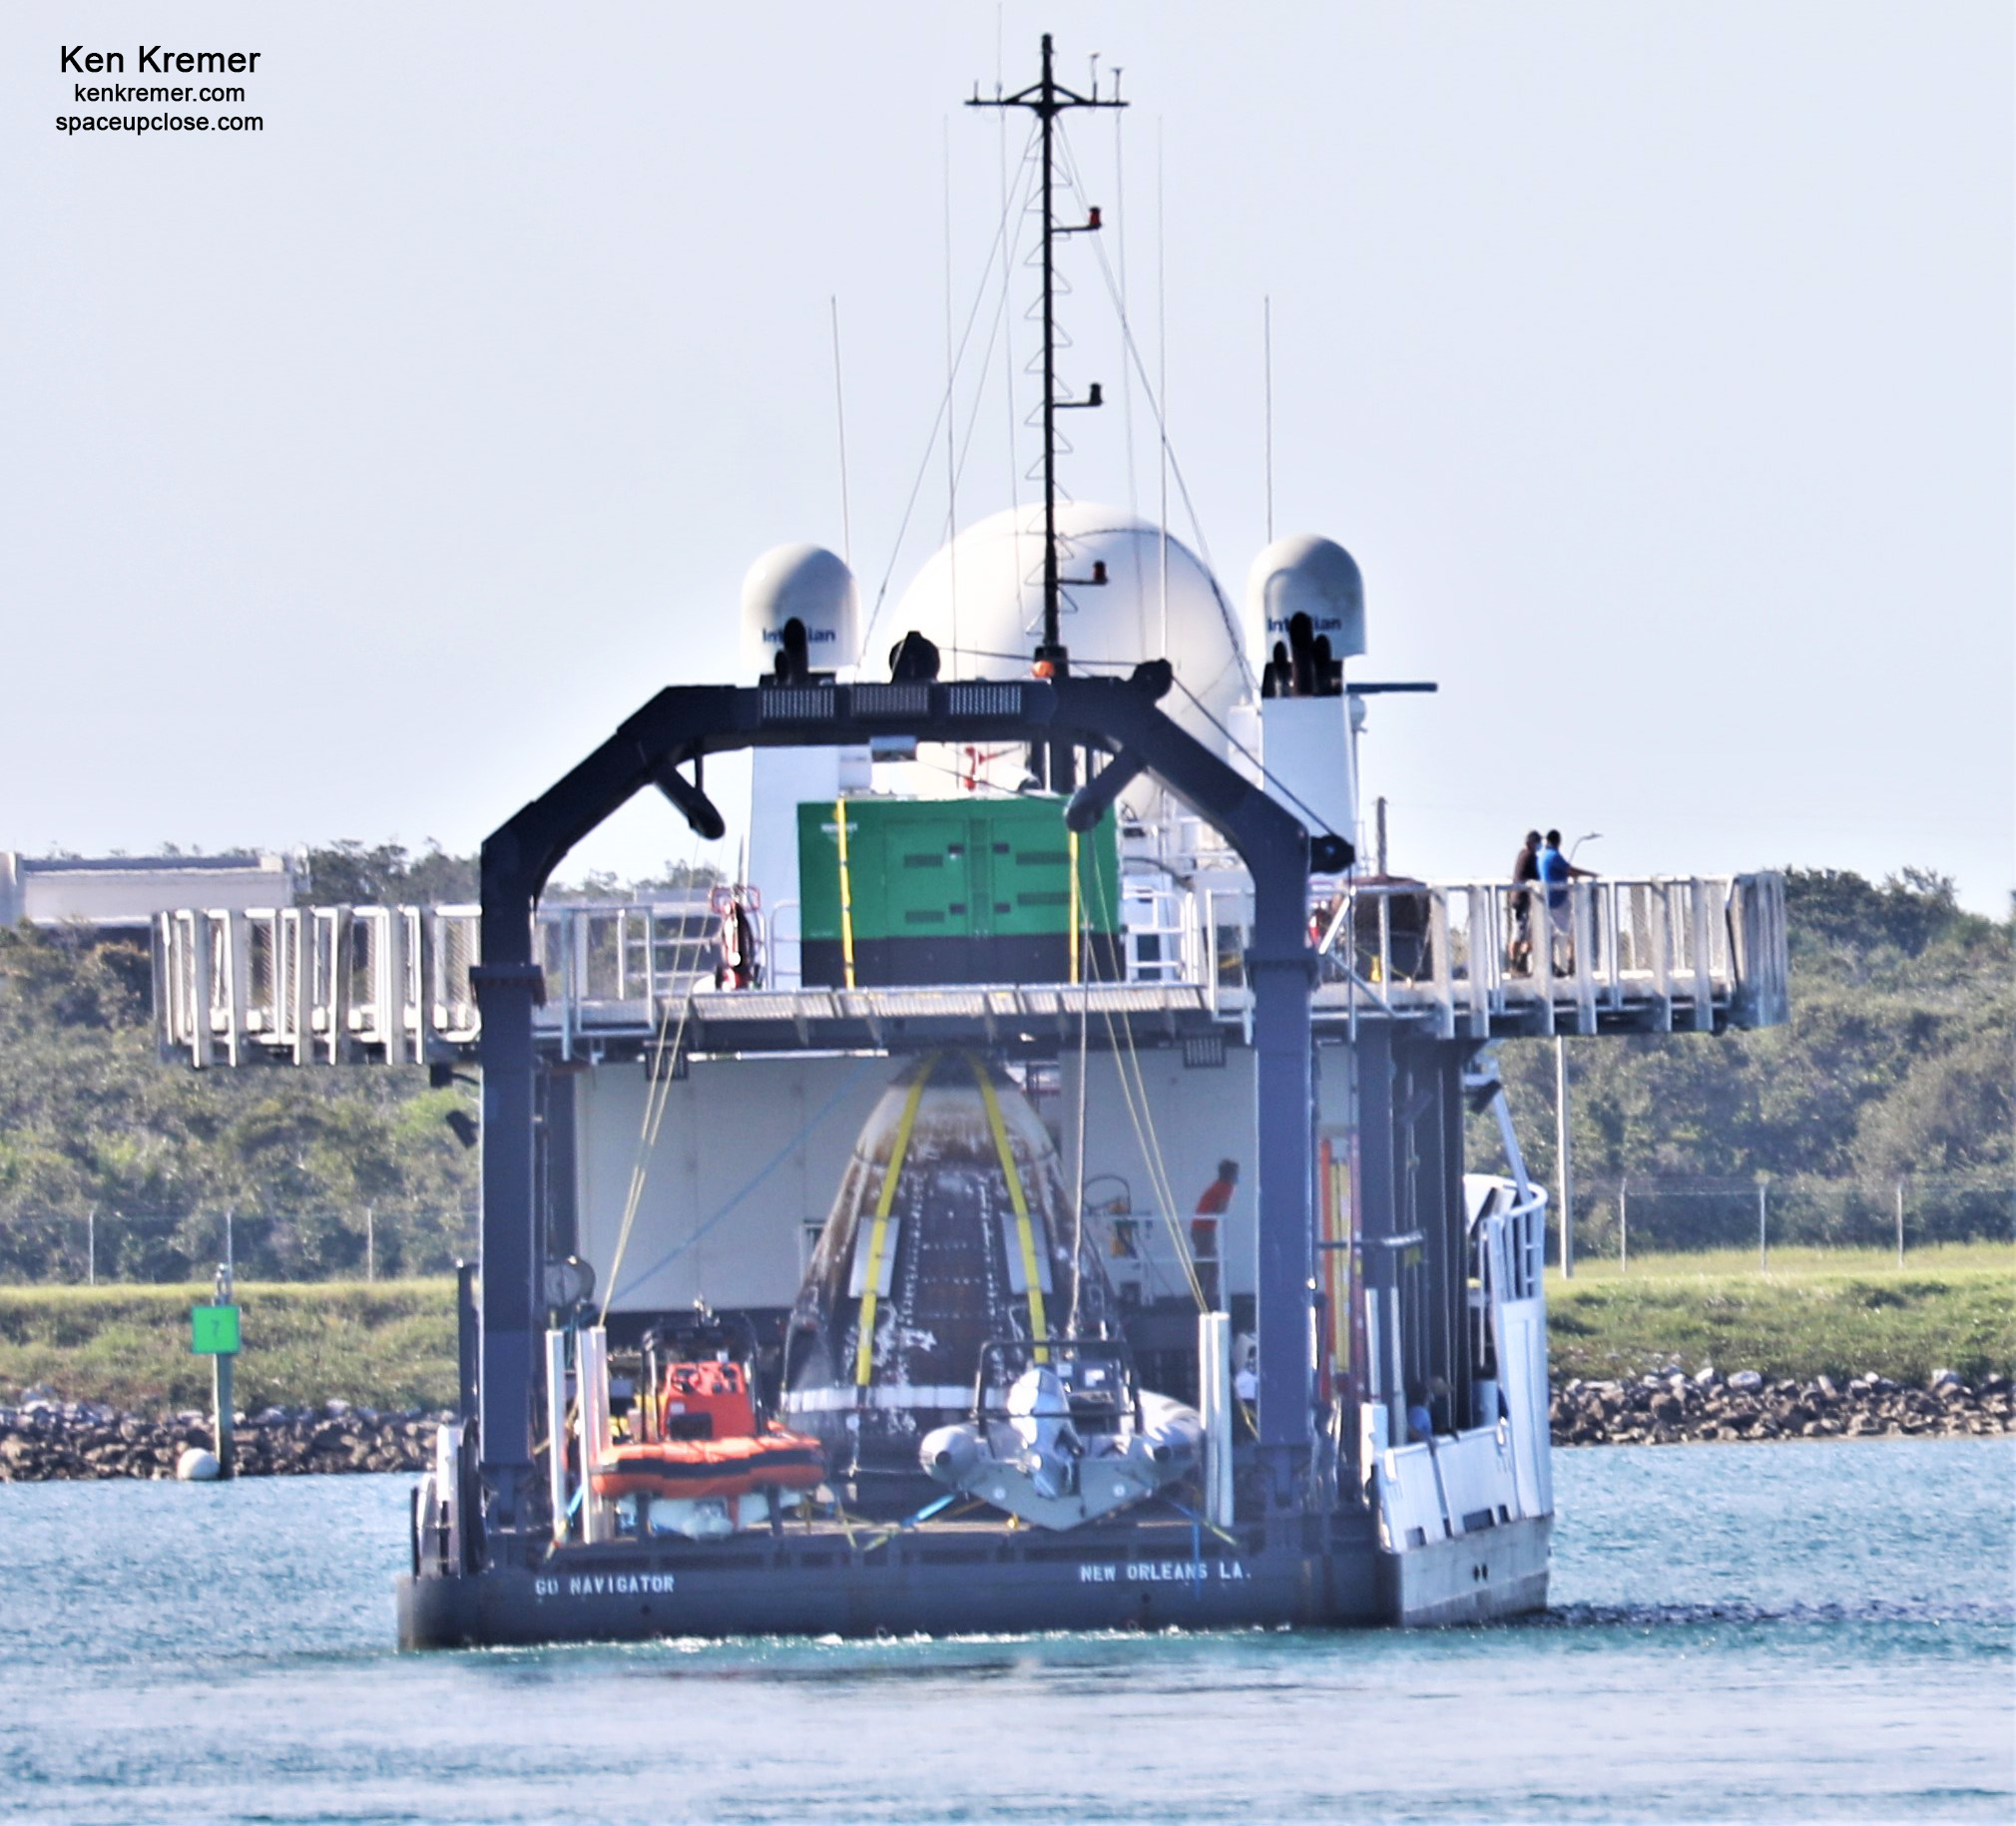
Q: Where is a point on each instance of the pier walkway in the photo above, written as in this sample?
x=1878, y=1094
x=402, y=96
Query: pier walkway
x=391, y=985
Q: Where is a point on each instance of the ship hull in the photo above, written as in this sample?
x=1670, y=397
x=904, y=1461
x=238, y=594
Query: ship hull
x=984, y=1579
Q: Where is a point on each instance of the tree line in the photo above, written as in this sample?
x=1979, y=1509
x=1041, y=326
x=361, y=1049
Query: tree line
x=1895, y=1067
x=320, y=1172
x=1895, y=1072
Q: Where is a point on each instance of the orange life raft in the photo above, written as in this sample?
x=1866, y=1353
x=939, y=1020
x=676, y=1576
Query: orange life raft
x=702, y=1439
x=712, y=1467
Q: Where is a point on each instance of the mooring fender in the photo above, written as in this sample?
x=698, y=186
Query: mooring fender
x=436, y=1613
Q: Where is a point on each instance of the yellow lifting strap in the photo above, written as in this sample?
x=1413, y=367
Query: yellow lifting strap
x=846, y=903
x=1025, y=1234
x=1077, y=916
x=878, y=1234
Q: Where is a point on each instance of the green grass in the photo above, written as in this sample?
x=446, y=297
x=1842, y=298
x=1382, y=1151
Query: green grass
x=388, y=1345
x=1834, y=1312
x=391, y=1344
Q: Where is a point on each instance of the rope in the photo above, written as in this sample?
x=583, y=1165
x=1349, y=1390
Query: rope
x=1197, y=1521
x=1316, y=819
x=910, y=1523
x=1076, y=918
x=655, y=1098
x=1078, y=1204
x=847, y=896
x=1025, y=1236
x=1155, y=406
x=1003, y=246
x=769, y=1167
x=1144, y=1129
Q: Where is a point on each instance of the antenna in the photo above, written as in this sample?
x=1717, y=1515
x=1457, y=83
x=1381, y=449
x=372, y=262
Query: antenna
x=1047, y=98
x=1267, y=369
x=951, y=399
x=1161, y=385
x=840, y=413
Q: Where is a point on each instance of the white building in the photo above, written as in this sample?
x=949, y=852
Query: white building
x=118, y=892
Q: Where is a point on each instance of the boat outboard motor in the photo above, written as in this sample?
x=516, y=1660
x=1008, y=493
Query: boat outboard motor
x=1039, y=1415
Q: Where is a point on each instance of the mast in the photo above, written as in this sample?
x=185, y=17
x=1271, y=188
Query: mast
x=1047, y=98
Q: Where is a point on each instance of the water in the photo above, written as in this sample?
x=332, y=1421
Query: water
x=1796, y=1631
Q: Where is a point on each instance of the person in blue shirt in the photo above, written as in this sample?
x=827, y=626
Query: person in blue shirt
x=1555, y=871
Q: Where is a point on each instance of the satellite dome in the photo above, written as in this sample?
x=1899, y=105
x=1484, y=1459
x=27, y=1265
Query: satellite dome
x=1307, y=574
x=806, y=584
x=980, y=599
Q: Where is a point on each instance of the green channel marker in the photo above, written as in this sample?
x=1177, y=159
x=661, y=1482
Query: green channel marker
x=212, y=1331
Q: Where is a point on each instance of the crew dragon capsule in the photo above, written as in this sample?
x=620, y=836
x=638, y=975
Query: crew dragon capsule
x=951, y=1232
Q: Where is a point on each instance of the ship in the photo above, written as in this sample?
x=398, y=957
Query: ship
x=1033, y=1196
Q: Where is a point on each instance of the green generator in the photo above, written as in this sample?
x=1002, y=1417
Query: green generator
x=954, y=891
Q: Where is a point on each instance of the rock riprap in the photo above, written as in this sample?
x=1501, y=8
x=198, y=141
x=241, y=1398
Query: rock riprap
x=1675, y=1406
x=42, y=1437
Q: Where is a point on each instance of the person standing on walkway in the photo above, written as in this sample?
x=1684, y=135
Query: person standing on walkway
x=1205, y=1231
x=1555, y=871
x=1525, y=870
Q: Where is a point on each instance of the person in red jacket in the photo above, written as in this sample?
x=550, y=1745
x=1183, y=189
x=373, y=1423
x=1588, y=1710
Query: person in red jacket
x=1203, y=1228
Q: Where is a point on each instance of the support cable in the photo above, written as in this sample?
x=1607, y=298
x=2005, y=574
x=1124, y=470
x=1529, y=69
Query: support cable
x=1317, y=823
x=1287, y=793
x=1077, y=1201
x=1143, y=1124
x=1150, y=1153
x=931, y=442
x=951, y=376
x=840, y=415
x=657, y=1098
x=1175, y=468
x=994, y=328
x=756, y=1179
x=1162, y=379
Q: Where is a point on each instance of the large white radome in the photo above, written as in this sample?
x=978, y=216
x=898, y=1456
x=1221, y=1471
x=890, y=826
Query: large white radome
x=980, y=599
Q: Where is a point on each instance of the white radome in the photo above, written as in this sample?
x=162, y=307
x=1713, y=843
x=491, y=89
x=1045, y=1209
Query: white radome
x=1309, y=575
x=812, y=585
x=980, y=599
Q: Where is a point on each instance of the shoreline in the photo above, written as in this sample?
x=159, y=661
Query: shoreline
x=1674, y=1408
x=49, y=1440
x=46, y=1440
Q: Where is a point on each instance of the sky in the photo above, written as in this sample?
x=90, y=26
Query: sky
x=360, y=474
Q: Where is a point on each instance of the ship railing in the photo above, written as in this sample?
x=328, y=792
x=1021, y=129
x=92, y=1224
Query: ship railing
x=784, y=944
x=626, y=961
x=1665, y=951
x=1145, y=1259
x=324, y=985
x=314, y=983
x=1159, y=924
x=1509, y=1233
x=1494, y=1470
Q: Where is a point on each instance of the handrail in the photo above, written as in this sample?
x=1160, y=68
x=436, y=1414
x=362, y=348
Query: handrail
x=324, y=985
x=1463, y=953
x=1516, y=1226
